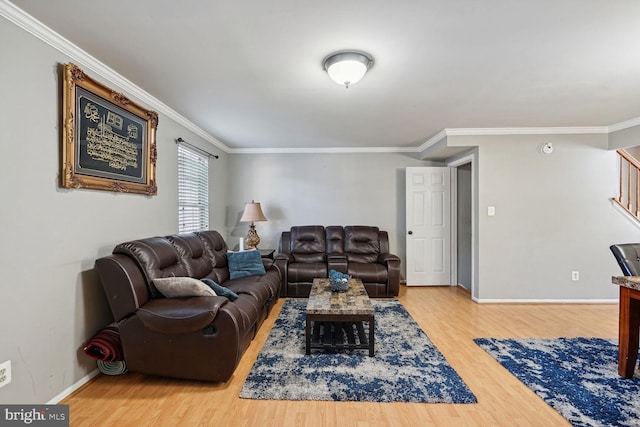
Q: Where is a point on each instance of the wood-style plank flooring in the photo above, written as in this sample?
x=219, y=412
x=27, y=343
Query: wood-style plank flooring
x=446, y=314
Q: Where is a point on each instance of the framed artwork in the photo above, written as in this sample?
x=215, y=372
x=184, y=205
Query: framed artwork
x=109, y=142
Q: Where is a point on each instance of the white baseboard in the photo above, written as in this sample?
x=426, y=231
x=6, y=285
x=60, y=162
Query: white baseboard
x=544, y=301
x=67, y=391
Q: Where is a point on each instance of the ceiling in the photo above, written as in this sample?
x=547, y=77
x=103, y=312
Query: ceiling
x=250, y=73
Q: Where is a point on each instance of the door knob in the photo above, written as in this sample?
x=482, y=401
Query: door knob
x=410, y=232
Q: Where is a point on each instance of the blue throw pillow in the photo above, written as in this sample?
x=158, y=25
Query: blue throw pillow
x=221, y=290
x=245, y=263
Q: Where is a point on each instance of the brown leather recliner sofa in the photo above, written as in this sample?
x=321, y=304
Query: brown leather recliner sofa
x=310, y=251
x=194, y=337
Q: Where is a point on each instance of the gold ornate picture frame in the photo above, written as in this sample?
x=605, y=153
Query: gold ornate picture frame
x=109, y=142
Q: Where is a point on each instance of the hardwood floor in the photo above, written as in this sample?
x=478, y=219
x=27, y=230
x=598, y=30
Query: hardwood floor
x=446, y=314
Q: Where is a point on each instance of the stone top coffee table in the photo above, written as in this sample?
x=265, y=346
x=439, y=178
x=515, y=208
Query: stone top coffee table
x=335, y=319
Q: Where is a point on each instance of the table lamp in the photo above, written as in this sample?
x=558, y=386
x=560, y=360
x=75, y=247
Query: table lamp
x=252, y=213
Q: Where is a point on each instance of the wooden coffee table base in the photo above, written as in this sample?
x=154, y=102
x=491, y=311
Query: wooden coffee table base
x=335, y=319
x=339, y=333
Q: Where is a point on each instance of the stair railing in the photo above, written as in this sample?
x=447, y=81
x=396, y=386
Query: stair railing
x=629, y=194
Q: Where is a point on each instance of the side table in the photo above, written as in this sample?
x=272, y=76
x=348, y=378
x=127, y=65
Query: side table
x=267, y=253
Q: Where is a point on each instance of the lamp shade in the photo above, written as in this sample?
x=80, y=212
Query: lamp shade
x=252, y=213
x=347, y=68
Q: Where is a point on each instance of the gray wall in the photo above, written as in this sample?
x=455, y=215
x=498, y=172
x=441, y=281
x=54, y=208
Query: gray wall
x=322, y=189
x=50, y=299
x=629, y=137
x=464, y=229
x=553, y=215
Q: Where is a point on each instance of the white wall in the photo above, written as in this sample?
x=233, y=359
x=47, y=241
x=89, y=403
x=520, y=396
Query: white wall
x=553, y=215
x=50, y=299
x=320, y=189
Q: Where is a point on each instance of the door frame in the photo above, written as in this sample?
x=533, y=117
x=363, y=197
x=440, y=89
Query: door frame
x=471, y=158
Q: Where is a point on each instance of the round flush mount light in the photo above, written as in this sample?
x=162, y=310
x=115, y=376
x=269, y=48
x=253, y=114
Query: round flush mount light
x=347, y=67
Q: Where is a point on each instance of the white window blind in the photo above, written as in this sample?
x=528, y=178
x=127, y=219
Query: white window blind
x=193, y=190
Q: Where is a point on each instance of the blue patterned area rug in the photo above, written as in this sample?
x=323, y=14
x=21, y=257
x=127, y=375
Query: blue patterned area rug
x=578, y=377
x=407, y=367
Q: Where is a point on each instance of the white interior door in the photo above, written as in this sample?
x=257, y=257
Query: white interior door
x=428, y=207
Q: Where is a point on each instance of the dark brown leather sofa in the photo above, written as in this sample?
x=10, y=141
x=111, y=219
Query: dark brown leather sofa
x=310, y=251
x=199, y=337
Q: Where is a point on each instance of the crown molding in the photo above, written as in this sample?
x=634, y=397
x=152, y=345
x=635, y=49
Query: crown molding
x=88, y=62
x=527, y=131
x=433, y=140
x=624, y=125
x=327, y=150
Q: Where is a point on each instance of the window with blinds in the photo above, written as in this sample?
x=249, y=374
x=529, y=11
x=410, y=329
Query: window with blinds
x=193, y=190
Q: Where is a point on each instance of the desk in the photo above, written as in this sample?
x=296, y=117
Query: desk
x=629, y=323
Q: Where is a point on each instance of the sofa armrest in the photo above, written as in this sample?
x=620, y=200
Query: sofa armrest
x=284, y=257
x=393, y=272
x=281, y=262
x=336, y=256
x=180, y=315
x=385, y=258
x=267, y=263
x=337, y=261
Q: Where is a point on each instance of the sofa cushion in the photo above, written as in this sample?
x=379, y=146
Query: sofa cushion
x=175, y=287
x=362, y=244
x=156, y=257
x=191, y=250
x=263, y=288
x=220, y=290
x=245, y=263
x=308, y=243
x=310, y=258
x=306, y=272
x=369, y=273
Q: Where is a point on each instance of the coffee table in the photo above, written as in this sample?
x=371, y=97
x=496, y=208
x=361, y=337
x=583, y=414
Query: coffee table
x=334, y=316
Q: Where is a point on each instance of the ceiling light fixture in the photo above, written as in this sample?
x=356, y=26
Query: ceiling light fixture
x=347, y=67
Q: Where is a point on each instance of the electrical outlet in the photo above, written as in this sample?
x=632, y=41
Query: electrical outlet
x=575, y=275
x=5, y=373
